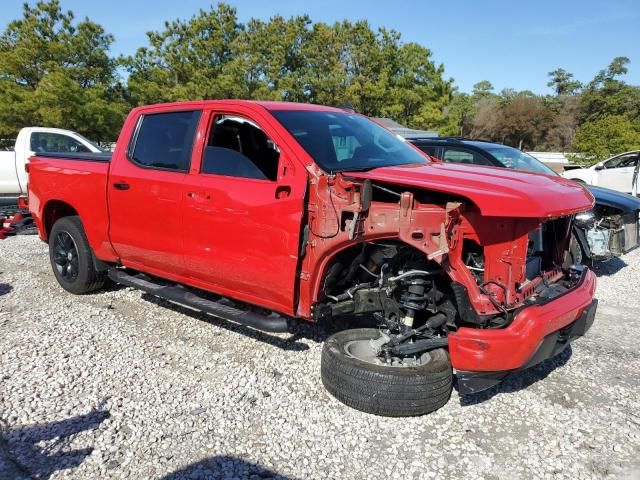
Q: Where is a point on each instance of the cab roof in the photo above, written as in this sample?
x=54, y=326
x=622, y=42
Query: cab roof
x=271, y=105
x=268, y=105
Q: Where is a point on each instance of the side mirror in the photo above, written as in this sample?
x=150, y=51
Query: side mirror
x=598, y=167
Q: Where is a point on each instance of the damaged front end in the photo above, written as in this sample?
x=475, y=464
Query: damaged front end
x=607, y=232
x=429, y=266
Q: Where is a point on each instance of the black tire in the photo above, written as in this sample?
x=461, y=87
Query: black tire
x=78, y=275
x=575, y=255
x=384, y=390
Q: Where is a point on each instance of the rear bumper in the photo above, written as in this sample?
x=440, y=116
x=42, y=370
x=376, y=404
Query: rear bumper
x=538, y=332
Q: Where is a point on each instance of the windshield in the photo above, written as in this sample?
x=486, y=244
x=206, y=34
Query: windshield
x=517, y=160
x=342, y=141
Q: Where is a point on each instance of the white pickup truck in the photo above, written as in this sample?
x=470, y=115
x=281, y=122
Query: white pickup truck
x=32, y=140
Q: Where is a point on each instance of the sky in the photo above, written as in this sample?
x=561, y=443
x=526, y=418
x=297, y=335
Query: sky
x=513, y=44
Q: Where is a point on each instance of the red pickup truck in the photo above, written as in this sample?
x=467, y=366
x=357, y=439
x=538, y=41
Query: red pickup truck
x=265, y=212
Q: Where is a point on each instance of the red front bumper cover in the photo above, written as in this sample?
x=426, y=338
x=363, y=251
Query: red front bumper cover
x=483, y=357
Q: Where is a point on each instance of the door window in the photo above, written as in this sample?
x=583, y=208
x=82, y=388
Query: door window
x=462, y=155
x=44, y=142
x=428, y=149
x=622, y=161
x=164, y=140
x=237, y=147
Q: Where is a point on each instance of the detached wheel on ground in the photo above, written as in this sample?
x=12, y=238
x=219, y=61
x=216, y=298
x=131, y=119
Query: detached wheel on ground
x=71, y=257
x=353, y=374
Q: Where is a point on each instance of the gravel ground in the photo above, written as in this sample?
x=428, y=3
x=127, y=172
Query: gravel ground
x=120, y=385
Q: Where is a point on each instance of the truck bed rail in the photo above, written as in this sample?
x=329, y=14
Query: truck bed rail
x=84, y=156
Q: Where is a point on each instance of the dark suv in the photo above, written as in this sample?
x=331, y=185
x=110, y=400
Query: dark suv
x=611, y=230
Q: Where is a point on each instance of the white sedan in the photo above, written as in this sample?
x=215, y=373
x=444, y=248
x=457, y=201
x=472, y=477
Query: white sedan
x=615, y=173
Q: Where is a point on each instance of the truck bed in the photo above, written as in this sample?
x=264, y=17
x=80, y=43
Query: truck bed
x=74, y=179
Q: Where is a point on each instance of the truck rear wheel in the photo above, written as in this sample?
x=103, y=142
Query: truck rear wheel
x=353, y=374
x=72, y=258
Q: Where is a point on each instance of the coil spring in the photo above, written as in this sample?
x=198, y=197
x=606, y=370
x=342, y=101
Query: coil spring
x=414, y=296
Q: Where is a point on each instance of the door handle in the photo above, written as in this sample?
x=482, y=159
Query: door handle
x=283, y=191
x=201, y=196
x=121, y=186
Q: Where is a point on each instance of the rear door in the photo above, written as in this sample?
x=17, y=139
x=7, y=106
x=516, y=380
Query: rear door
x=145, y=191
x=243, y=207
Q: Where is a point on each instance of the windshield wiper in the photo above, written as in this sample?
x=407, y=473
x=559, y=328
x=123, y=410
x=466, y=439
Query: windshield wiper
x=356, y=169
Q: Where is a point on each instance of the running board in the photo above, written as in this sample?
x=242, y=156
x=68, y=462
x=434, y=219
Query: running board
x=179, y=294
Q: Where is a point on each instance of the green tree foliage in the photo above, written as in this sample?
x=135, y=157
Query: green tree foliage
x=483, y=89
x=467, y=115
x=522, y=119
x=563, y=82
x=604, y=137
x=617, y=67
x=58, y=73
x=188, y=60
x=458, y=115
x=608, y=115
x=212, y=55
x=607, y=95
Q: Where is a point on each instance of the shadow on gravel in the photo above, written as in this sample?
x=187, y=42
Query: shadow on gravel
x=319, y=332
x=519, y=380
x=5, y=288
x=609, y=267
x=42, y=462
x=290, y=343
x=222, y=466
x=110, y=286
x=298, y=329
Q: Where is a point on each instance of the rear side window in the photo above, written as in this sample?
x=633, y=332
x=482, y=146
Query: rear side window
x=462, y=155
x=164, y=140
x=428, y=149
x=43, y=142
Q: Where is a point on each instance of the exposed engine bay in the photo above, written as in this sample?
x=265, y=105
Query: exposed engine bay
x=475, y=272
x=609, y=231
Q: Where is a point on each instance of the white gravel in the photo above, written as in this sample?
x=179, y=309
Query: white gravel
x=118, y=385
